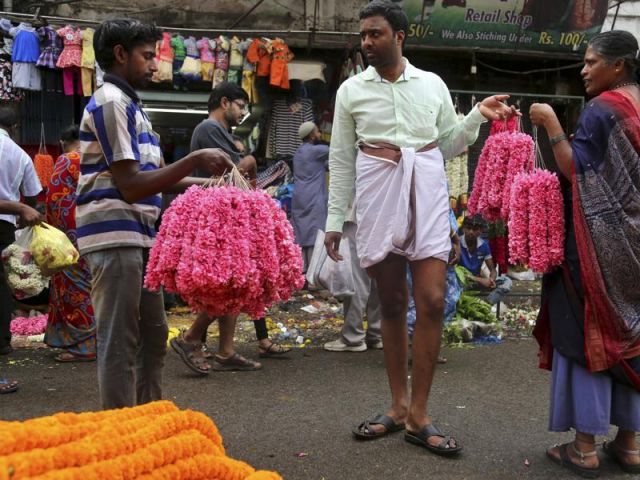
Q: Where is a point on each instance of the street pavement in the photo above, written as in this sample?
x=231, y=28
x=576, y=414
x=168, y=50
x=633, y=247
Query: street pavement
x=295, y=415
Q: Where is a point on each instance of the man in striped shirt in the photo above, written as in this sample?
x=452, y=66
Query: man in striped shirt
x=118, y=203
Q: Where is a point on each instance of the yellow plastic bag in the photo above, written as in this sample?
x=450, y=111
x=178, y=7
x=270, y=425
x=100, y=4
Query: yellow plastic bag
x=51, y=249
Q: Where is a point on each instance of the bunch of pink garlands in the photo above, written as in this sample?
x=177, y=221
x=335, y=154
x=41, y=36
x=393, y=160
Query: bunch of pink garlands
x=224, y=251
x=503, y=156
x=507, y=187
x=29, y=325
x=536, y=223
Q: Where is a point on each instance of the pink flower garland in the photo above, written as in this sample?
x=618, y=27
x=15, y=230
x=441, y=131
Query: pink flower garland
x=536, y=223
x=519, y=220
x=226, y=251
x=29, y=325
x=503, y=156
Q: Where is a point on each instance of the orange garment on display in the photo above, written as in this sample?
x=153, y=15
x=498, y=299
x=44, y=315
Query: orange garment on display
x=260, y=52
x=279, y=69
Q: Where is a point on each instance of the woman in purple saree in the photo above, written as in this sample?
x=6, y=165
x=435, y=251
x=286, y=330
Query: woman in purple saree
x=589, y=324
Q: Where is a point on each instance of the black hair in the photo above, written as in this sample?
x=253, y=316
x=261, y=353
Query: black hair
x=391, y=12
x=473, y=222
x=8, y=117
x=70, y=134
x=227, y=90
x=618, y=44
x=127, y=32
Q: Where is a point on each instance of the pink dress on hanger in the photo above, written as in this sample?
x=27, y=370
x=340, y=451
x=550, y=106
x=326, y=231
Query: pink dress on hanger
x=71, y=55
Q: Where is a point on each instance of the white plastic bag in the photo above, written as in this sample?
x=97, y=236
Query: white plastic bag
x=323, y=272
x=22, y=273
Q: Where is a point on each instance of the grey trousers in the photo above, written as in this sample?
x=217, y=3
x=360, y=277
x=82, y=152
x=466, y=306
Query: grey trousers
x=131, y=328
x=365, y=300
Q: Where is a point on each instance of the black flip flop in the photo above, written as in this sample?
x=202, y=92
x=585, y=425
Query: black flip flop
x=612, y=451
x=364, y=432
x=565, y=462
x=421, y=438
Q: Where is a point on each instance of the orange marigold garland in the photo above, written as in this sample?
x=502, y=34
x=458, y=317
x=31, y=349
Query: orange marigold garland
x=153, y=441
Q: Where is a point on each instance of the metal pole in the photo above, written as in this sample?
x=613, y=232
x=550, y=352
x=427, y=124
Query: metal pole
x=615, y=16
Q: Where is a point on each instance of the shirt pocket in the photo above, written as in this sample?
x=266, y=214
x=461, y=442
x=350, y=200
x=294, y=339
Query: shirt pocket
x=422, y=120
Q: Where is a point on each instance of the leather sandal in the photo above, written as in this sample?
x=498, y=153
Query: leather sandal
x=566, y=462
x=191, y=354
x=273, y=350
x=365, y=432
x=8, y=386
x=444, y=448
x=613, y=451
x=235, y=362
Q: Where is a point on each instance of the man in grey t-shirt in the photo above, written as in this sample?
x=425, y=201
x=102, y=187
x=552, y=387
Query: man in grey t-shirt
x=227, y=105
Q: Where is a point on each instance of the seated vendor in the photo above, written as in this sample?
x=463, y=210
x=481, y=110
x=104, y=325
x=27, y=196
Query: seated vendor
x=474, y=253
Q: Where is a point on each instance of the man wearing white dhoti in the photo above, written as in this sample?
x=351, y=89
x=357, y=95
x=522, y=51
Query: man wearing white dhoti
x=393, y=125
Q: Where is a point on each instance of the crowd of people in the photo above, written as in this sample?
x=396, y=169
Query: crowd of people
x=388, y=196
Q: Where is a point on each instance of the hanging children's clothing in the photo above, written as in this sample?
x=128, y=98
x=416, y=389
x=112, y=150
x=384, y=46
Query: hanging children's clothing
x=52, y=48
x=286, y=119
x=8, y=92
x=248, y=73
x=207, y=58
x=191, y=67
x=279, y=65
x=235, y=61
x=164, y=56
x=222, y=60
x=179, y=54
x=260, y=53
x=25, y=53
x=88, y=62
x=71, y=55
x=70, y=59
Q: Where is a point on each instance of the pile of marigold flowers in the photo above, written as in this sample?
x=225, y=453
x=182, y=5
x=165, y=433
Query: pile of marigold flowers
x=152, y=441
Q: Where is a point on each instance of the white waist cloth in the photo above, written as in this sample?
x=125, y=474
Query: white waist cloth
x=392, y=218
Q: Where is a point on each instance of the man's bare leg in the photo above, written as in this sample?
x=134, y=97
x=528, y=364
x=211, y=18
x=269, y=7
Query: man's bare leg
x=227, y=326
x=428, y=292
x=391, y=278
x=198, y=328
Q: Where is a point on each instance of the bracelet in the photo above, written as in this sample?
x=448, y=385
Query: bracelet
x=556, y=139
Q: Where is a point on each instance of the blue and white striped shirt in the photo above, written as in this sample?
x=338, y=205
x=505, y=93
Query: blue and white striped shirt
x=114, y=128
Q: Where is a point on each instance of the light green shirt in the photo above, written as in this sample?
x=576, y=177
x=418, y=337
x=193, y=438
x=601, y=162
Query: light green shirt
x=414, y=111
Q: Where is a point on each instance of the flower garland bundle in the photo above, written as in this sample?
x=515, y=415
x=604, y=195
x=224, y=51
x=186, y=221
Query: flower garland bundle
x=457, y=175
x=503, y=156
x=510, y=125
x=43, y=165
x=225, y=251
x=29, y=325
x=536, y=223
x=23, y=275
x=519, y=220
x=154, y=441
x=37, y=432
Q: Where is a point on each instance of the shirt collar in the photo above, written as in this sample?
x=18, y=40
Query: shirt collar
x=463, y=242
x=123, y=85
x=409, y=71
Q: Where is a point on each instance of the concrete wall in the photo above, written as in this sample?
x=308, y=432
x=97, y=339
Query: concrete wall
x=335, y=15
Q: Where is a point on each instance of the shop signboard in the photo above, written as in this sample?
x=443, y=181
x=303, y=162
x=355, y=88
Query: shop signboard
x=534, y=25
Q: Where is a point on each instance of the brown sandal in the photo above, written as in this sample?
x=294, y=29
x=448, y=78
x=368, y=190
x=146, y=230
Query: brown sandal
x=8, y=386
x=614, y=452
x=68, y=357
x=235, y=362
x=191, y=354
x=273, y=350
